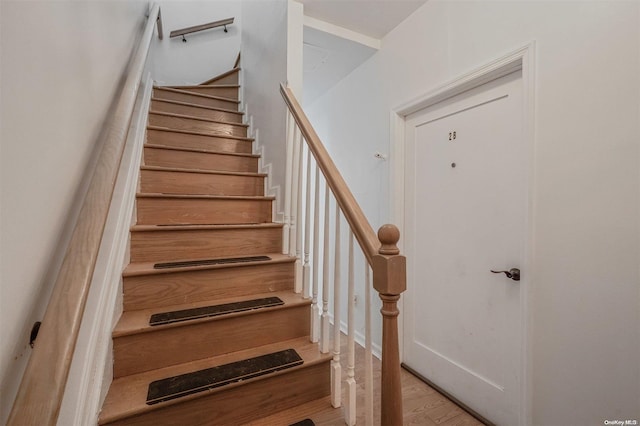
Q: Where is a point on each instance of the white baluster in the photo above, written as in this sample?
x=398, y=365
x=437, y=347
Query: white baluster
x=298, y=283
x=315, y=310
x=368, y=364
x=287, y=193
x=350, y=410
x=306, y=268
x=336, y=368
x=295, y=181
x=324, y=336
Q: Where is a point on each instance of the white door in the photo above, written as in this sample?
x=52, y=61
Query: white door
x=465, y=214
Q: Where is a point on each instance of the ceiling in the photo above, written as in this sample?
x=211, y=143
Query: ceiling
x=374, y=18
x=329, y=58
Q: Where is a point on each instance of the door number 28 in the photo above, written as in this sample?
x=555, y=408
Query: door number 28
x=452, y=135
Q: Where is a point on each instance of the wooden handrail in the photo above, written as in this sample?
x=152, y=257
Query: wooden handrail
x=358, y=222
x=202, y=27
x=42, y=388
x=381, y=252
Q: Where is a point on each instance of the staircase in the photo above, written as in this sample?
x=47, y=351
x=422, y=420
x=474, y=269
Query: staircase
x=212, y=331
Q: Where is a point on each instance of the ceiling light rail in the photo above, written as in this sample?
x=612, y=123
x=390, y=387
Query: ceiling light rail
x=189, y=30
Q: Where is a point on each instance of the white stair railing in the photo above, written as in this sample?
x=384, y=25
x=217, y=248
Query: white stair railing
x=286, y=228
x=293, y=204
x=306, y=267
x=368, y=360
x=315, y=310
x=324, y=335
x=350, y=409
x=336, y=368
x=380, y=253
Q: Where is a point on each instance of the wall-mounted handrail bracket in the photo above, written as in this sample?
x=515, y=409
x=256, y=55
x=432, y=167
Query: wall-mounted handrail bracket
x=159, y=24
x=34, y=333
x=196, y=28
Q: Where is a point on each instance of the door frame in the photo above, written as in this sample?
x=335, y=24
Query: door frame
x=521, y=59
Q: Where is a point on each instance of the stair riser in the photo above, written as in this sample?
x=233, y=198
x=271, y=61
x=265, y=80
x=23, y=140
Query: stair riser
x=166, y=182
x=225, y=92
x=194, y=99
x=241, y=404
x=193, y=125
x=175, y=345
x=199, y=160
x=211, y=114
x=167, y=246
x=148, y=291
x=185, y=140
x=180, y=211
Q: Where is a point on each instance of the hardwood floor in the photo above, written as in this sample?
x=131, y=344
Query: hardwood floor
x=422, y=405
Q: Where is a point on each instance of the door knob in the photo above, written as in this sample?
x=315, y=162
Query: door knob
x=513, y=273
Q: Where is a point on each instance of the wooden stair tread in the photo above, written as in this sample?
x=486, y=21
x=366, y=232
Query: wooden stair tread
x=206, y=197
x=202, y=95
x=297, y=413
x=203, y=151
x=168, y=243
x=161, y=228
x=195, y=86
x=208, y=172
x=193, y=117
x=146, y=268
x=184, y=209
x=171, y=101
x=194, y=132
x=133, y=322
x=127, y=395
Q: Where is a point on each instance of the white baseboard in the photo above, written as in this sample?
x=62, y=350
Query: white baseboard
x=90, y=368
x=270, y=189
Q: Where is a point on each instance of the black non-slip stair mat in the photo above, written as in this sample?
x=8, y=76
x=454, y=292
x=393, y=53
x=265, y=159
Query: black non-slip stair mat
x=213, y=311
x=210, y=378
x=167, y=265
x=305, y=422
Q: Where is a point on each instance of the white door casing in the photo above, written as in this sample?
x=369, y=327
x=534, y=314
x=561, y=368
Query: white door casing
x=438, y=342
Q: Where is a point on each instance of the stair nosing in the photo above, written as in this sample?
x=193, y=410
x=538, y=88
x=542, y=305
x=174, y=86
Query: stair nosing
x=193, y=117
x=201, y=151
x=193, y=132
x=205, y=196
x=186, y=92
x=301, y=301
x=208, y=172
x=171, y=101
x=157, y=228
x=292, y=343
x=195, y=86
x=150, y=271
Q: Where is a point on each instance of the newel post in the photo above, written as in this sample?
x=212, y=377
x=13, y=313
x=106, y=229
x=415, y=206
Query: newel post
x=389, y=280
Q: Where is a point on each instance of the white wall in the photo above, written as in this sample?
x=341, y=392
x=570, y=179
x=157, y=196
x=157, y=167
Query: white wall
x=264, y=67
x=585, y=286
x=61, y=66
x=206, y=53
x=295, y=39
